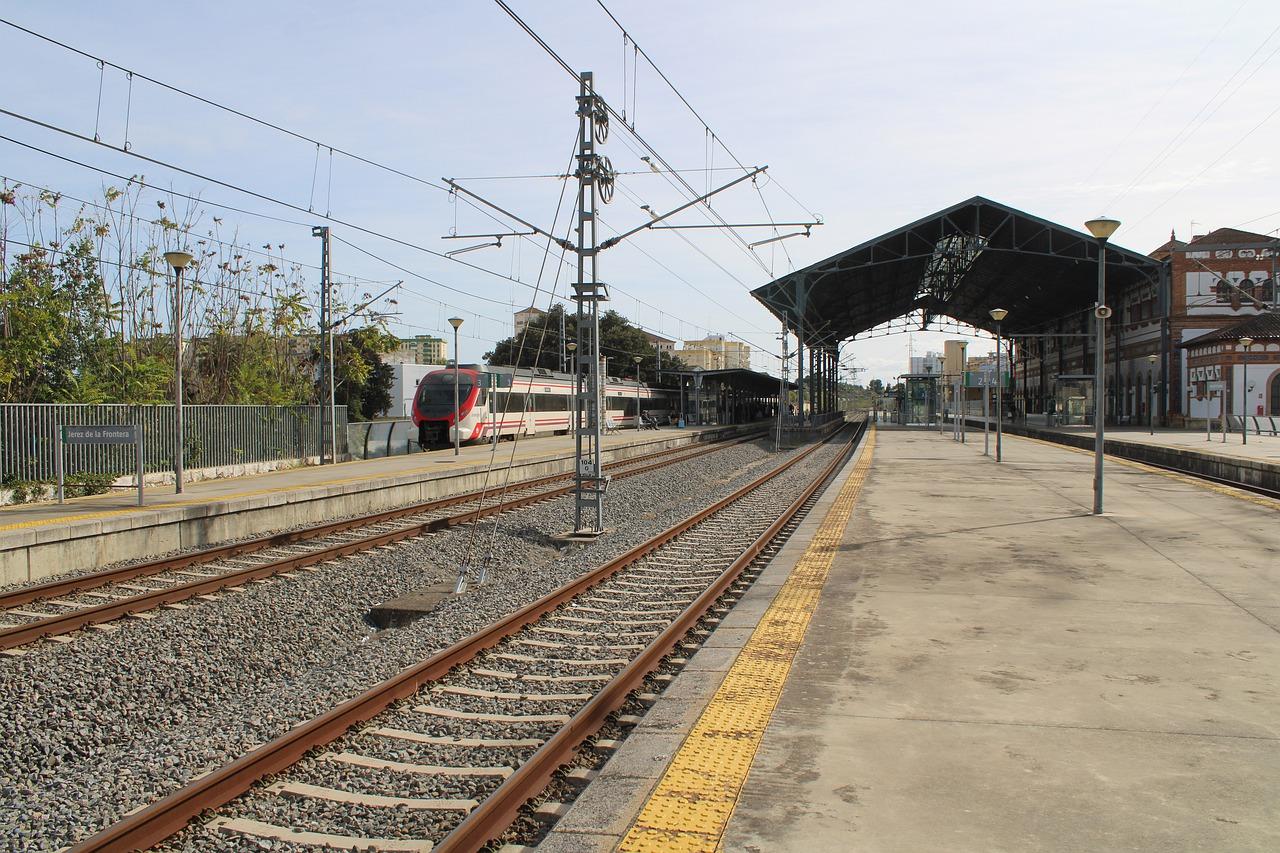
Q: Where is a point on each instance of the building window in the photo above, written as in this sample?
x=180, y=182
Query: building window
x=1223, y=290
x=1265, y=290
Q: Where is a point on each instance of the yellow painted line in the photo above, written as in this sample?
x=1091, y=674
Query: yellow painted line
x=339, y=481
x=369, y=477
x=1238, y=494
x=692, y=803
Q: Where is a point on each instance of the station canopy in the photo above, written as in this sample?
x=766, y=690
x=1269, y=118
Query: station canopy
x=739, y=378
x=959, y=262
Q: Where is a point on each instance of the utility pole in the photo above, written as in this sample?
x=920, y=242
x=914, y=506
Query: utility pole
x=595, y=178
x=328, y=407
x=590, y=482
x=783, y=394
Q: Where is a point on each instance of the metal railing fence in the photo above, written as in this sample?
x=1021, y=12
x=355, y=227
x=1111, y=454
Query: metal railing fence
x=216, y=436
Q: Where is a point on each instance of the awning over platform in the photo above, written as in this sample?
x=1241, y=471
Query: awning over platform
x=959, y=262
x=741, y=379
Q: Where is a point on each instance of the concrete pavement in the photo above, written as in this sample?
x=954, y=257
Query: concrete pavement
x=991, y=668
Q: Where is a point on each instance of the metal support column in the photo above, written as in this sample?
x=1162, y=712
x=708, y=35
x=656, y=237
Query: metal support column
x=590, y=482
x=800, y=373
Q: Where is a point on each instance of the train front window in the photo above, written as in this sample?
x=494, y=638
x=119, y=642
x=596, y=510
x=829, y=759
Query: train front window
x=435, y=394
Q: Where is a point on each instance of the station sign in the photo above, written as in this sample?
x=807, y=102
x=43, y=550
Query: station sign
x=100, y=434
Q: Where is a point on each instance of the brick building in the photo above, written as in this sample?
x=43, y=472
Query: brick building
x=1158, y=350
x=1219, y=282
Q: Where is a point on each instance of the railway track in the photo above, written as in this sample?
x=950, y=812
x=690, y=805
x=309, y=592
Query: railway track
x=446, y=753
x=57, y=608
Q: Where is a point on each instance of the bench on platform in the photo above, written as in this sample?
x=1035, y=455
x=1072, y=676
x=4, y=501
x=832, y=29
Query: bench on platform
x=1264, y=425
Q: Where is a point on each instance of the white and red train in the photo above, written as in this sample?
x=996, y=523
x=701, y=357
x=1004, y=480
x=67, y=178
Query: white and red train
x=505, y=401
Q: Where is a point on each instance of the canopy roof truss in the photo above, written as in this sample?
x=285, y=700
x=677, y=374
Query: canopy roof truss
x=960, y=262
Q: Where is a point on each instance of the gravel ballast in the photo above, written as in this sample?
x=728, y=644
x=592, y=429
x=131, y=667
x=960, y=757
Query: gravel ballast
x=118, y=718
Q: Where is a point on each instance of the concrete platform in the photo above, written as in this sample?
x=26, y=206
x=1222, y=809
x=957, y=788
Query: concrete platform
x=1256, y=463
x=1265, y=448
x=38, y=541
x=991, y=668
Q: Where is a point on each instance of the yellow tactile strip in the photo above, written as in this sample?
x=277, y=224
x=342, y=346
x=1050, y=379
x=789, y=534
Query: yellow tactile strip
x=692, y=803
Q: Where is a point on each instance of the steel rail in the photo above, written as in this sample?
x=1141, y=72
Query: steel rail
x=70, y=586
x=64, y=623
x=172, y=813
x=499, y=810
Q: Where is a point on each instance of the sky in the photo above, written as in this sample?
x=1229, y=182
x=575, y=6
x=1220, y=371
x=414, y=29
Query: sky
x=1162, y=114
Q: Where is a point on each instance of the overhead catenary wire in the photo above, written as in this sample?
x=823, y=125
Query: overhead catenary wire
x=1188, y=130
x=103, y=63
x=641, y=51
x=235, y=188
x=204, y=237
x=1233, y=146
x=613, y=113
x=1204, y=48
x=127, y=149
x=274, y=126
x=160, y=273
x=178, y=90
x=506, y=403
x=261, y=196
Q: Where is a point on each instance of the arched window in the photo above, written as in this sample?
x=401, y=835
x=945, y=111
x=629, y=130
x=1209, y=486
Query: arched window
x=1265, y=290
x=1223, y=290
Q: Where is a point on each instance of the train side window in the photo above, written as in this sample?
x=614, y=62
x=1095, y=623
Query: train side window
x=627, y=405
x=552, y=402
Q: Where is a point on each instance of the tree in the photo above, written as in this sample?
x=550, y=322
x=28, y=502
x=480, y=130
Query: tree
x=538, y=345
x=56, y=320
x=87, y=306
x=362, y=381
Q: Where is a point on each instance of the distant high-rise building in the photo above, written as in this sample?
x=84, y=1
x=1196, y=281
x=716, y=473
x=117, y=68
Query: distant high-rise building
x=420, y=349
x=716, y=353
x=930, y=362
x=953, y=357
x=525, y=316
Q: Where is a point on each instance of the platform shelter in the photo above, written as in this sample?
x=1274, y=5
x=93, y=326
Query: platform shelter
x=728, y=396
x=960, y=263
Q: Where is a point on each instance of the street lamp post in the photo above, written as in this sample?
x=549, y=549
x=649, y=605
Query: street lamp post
x=697, y=393
x=179, y=261
x=998, y=314
x=1101, y=228
x=636, y=359
x=575, y=421
x=457, y=415
x=1245, y=342
x=1151, y=360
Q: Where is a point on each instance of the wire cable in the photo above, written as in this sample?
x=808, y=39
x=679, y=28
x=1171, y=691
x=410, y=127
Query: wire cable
x=185, y=231
x=235, y=188
x=1187, y=130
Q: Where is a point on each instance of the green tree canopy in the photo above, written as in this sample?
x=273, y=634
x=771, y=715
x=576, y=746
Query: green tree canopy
x=539, y=345
x=55, y=316
x=362, y=380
